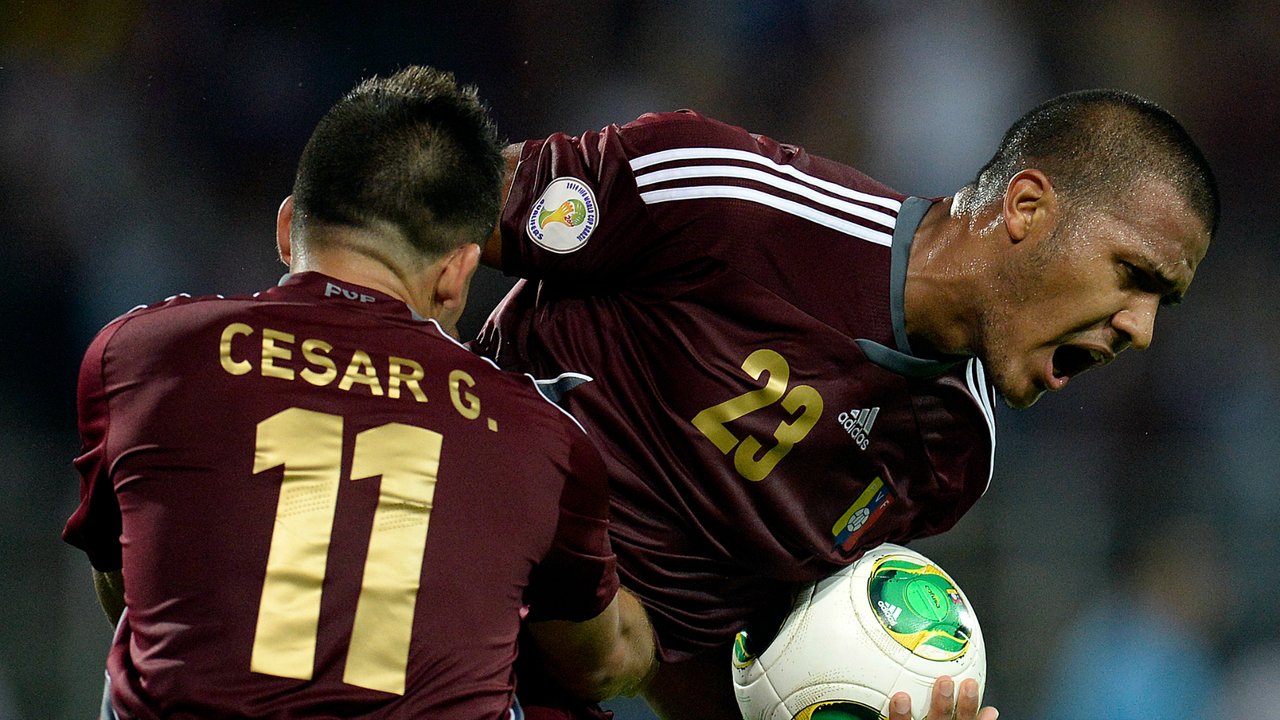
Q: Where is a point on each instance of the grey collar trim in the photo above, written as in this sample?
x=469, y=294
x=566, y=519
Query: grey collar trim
x=901, y=360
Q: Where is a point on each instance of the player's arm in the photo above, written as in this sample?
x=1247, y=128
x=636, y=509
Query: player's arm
x=611, y=654
x=95, y=526
x=110, y=589
x=571, y=210
x=593, y=637
x=491, y=253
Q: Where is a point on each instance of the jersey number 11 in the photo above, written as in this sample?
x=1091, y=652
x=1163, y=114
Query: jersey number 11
x=309, y=446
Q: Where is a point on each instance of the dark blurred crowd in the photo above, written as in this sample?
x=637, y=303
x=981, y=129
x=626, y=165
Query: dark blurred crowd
x=145, y=146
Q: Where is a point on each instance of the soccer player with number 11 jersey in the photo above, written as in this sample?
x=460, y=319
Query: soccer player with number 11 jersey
x=313, y=501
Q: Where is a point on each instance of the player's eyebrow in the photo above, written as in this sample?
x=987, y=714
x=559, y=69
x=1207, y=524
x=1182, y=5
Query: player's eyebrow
x=1149, y=278
x=1166, y=286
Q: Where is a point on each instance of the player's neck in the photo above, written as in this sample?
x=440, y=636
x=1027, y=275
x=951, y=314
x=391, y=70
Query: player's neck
x=360, y=268
x=945, y=273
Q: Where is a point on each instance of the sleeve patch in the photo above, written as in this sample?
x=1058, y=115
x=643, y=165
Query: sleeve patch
x=564, y=216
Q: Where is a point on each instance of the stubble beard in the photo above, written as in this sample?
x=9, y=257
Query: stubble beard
x=1016, y=283
x=1002, y=367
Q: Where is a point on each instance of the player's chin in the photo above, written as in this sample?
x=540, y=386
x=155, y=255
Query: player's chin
x=1022, y=396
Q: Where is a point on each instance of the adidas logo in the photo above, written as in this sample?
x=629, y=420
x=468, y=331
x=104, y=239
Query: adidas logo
x=858, y=424
x=891, y=613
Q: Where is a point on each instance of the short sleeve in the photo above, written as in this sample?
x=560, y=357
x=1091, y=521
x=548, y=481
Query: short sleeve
x=574, y=212
x=95, y=525
x=578, y=578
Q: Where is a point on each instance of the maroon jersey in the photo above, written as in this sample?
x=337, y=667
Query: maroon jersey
x=738, y=304
x=324, y=506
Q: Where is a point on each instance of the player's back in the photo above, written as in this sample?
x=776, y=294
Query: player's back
x=328, y=507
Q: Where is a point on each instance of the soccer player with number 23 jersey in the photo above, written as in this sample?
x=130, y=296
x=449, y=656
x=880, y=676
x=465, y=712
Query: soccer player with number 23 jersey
x=786, y=363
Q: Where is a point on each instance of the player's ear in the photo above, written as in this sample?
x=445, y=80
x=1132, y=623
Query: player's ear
x=455, y=277
x=1030, y=204
x=284, y=219
x=449, y=296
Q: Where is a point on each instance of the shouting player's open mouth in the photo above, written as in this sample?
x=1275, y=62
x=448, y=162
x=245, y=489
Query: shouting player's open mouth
x=1071, y=360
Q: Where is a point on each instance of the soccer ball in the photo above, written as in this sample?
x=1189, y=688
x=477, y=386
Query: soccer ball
x=890, y=622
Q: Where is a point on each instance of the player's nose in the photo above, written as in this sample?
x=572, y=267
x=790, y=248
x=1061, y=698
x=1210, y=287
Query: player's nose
x=1136, y=322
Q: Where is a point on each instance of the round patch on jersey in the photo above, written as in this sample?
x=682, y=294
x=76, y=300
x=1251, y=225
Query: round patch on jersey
x=564, y=217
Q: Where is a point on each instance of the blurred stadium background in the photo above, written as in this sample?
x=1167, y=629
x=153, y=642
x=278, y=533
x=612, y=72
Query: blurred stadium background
x=144, y=147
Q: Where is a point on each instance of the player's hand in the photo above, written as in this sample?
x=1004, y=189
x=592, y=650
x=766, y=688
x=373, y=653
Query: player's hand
x=946, y=705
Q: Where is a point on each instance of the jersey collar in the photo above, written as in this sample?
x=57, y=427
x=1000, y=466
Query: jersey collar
x=325, y=289
x=902, y=360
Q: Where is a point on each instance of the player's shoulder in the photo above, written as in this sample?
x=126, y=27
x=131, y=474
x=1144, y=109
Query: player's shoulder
x=146, y=331
x=682, y=117
x=173, y=301
x=666, y=140
x=535, y=400
x=685, y=127
x=546, y=428
x=161, y=310
x=184, y=301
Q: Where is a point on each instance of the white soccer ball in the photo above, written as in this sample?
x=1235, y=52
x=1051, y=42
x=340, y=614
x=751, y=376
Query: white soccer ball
x=890, y=622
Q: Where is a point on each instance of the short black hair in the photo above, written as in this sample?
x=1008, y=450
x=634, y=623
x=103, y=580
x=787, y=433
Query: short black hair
x=1095, y=145
x=413, y=150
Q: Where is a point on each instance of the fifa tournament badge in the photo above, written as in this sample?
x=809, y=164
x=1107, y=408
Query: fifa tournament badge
x=564, y=216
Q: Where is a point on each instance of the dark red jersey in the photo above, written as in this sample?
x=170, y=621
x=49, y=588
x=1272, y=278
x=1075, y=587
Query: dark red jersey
x=326, y=507
x=738, y=305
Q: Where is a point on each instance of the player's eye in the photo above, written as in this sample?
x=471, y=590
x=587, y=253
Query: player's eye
x=1131, y=273
x=1148, y=282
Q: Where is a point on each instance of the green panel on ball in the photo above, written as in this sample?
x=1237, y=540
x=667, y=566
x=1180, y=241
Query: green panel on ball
x=920, y=607
x=742, y=657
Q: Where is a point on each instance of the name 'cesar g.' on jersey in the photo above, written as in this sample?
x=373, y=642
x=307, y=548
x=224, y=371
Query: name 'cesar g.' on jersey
x=274, y=352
